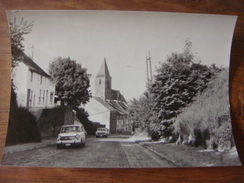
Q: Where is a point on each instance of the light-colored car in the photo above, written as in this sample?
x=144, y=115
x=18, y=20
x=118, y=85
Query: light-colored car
x=71, y=135
x=102, y=132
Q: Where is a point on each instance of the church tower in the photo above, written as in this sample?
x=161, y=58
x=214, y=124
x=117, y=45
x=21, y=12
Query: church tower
x=103, y=82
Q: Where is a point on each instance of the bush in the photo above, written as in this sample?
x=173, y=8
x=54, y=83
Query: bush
x=199, y=124
x=155, y=135
x=22, y=127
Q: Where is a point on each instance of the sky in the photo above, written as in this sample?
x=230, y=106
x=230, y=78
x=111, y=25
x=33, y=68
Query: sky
x=124, y=39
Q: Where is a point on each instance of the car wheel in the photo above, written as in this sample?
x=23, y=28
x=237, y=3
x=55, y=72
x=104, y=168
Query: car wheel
x=84, y=144
x=59, y=146
x=80, y=145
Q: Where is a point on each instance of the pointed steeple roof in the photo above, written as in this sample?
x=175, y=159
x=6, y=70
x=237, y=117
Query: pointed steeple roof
x=103, y=72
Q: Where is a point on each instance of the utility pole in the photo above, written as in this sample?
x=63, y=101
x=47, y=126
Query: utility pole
x=149, y=69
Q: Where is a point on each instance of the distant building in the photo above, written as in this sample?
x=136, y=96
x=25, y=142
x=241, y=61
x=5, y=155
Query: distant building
x=108, y=106
x=33, y=86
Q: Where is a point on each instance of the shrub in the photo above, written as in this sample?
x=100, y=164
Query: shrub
x=22, y=127
x=199, y=124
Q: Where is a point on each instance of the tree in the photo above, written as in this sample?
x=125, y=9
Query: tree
x=22, y=125
x=72, y=81
x=178, y=81
x=141, y=114
x=17, y=33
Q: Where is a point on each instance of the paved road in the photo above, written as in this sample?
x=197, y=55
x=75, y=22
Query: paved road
x=98, y=153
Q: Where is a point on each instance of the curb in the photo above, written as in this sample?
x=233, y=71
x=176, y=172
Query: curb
x=161, y=156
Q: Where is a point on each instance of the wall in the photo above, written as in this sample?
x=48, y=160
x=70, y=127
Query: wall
x=39, y=91
x=50, y=121
x=20, y=74
x=98, y=113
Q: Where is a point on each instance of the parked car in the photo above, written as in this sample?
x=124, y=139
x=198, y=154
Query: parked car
x=102, y=132
x=71, y=135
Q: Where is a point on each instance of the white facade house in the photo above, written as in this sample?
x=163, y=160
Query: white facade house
x=108, y=107
x=99, y=112
x=34, y=89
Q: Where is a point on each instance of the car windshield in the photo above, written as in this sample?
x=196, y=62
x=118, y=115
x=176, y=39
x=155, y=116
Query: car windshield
x=68, y=129
x=101, y=129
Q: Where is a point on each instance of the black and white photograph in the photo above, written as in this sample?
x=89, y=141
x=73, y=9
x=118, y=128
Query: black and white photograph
x=119, y=89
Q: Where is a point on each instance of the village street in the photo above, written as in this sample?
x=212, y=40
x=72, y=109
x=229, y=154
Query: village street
x=115, y=152
x=112, y=152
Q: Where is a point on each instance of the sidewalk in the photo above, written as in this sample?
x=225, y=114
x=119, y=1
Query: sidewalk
x=28, y=146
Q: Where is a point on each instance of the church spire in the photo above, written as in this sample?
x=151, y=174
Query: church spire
x=103, y=72
x=103, y=82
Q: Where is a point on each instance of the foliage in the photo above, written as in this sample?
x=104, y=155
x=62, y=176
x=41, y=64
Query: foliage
x=178, y=81
x=207, y=120
x=176, y=85
x=140, y=111
x=72, y=81
x=17, y=33
x=82, y=115
x=22, y=125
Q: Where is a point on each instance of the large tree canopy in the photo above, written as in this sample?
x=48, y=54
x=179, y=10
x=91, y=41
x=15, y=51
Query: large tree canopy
x=72, y=81
x=178, y=81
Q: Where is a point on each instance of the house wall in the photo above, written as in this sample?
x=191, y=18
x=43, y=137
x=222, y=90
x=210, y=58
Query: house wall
x=20, y=74
x=113, y=122
x=42, y=91
x=123, y=125
x=34, y=91
x=98, y=113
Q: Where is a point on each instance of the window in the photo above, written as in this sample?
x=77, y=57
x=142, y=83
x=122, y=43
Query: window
x=31, y=76
x=46, y=97
x=30, y=97
x=40, y=95
x=43, y=97
x=51, y=97
x=34, y=98
x=41, y=80
x=99, y=81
